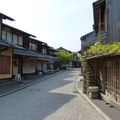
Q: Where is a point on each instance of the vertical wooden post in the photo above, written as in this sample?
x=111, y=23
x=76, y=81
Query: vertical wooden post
x=0, y=27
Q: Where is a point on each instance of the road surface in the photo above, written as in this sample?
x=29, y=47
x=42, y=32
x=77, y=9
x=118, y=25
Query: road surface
x=52, y=99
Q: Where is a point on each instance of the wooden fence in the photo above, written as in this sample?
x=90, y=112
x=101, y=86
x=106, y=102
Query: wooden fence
x=107, y=75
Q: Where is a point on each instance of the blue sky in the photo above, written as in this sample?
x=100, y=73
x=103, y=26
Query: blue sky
x=56, y=22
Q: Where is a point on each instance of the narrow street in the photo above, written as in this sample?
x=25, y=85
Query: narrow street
x=52, y=99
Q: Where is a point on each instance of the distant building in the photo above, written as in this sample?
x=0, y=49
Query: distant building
x=75, y=62
x=63, y=49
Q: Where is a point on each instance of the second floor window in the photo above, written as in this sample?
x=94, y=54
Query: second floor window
x=32, y=46
x=15, y=39
x=20, y=40
x=51, y=53
x=4, y=35
x=44, y=51
x=9, y=37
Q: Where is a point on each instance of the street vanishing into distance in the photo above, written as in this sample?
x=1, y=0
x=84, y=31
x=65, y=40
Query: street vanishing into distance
x=60, y=60
x=52, y=99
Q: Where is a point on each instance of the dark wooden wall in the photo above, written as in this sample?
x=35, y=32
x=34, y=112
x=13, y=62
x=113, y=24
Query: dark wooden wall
x=113, y=19
x=107, y=75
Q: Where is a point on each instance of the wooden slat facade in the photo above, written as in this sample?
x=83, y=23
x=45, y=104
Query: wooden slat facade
x=107, y=75
x=5, y=62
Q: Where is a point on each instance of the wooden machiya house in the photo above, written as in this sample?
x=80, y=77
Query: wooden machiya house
x=5, y=60
x=17, y=37
x=53, y=64
x=29, y=55
x=47, y=58
x=21, y=53
x=5, y=53
x=106, y=68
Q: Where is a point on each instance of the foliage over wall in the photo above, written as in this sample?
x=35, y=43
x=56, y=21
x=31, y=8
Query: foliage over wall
x=101, y=49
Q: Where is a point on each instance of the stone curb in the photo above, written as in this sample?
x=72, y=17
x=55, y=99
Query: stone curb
x=90, y=102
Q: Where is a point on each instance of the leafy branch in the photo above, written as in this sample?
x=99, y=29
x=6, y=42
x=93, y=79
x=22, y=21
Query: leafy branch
x=100, y=49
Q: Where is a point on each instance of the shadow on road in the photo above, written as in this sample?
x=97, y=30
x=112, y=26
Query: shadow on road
x=41, y=100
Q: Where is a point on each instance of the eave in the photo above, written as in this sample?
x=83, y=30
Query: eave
x=3, y=16
x=17, y=31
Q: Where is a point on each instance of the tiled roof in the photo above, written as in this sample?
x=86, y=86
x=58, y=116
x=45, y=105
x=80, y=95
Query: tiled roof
x=49, y=57
x=19, y=50
x=17, y=30
x=27, y=52
x=24, y=52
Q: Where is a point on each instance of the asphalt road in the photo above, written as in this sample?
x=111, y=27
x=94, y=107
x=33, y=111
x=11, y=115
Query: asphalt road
x=52, y=99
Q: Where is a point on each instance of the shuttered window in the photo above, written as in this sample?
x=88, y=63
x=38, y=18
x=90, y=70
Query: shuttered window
x=5, y=64
x=15, y=39
x=9, y=37
x=20, y=40
x=4, y=35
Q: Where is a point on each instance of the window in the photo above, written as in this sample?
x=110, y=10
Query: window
x=4, y=35
x=9, y=37
x=32, y=46
x=51, y=53
x=44, y=51
x=20, y=40
x=15, y=39
x=5, y=64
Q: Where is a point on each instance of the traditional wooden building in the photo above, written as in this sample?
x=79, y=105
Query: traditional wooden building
x=6, y=52
x=54, y=64
x=21, y=53
x=101, y=27
x=106, y=69
x=46, y=60
x=17, y=37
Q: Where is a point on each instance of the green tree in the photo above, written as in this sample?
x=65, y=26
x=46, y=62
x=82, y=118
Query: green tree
x=65, y=56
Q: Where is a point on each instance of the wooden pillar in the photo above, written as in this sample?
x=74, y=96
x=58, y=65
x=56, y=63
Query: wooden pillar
x=20, y=65
x=0, y=27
